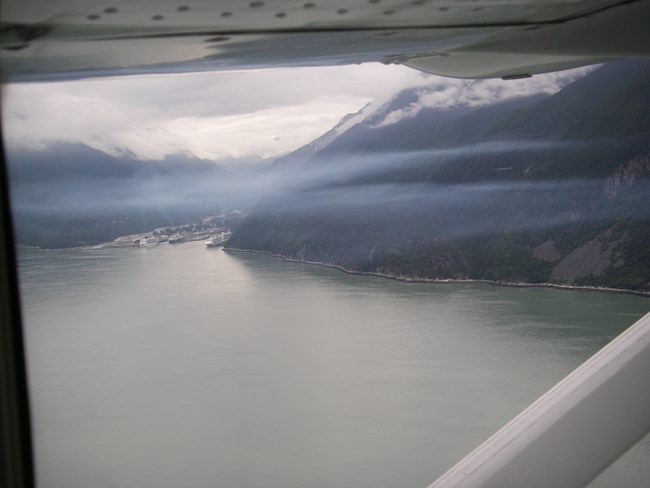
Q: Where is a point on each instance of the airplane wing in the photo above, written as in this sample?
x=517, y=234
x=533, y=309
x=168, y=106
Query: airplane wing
x=58, y=39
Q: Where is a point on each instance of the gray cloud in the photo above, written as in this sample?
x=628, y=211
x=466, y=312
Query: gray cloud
x=239, y=114
x=444, y=93
x=212, y=115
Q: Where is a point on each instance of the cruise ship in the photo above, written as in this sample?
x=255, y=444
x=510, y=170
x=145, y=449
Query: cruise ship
x=218, y=240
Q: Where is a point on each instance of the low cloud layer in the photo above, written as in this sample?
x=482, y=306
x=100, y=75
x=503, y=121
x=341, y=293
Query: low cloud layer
x=243, y=114
x=444, y=93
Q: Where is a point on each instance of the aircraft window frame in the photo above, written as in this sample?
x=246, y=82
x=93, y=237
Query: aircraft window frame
x=16, y=453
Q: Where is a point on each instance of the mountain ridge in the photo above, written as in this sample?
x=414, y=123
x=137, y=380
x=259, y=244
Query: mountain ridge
x=64, y=160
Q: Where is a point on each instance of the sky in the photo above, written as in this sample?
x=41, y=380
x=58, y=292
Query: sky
x=237, y=114
x=213, y=115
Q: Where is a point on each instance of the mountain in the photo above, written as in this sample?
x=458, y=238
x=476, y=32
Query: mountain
x=244, y=165
x=300, y=156
x=71, y=194
x=548, y=188
x=78, y=161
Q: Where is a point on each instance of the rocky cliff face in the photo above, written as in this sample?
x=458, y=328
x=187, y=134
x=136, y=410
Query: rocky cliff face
x=537, y=189
x=626, y=175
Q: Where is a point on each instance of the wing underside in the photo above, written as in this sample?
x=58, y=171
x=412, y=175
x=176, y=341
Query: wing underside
x=60, y=39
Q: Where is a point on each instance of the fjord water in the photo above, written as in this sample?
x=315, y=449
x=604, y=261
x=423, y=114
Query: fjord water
x=184, y=366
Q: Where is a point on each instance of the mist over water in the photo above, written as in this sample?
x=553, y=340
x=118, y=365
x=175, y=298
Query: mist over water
x=363, y=178
x=155, y=187
x=182, y=366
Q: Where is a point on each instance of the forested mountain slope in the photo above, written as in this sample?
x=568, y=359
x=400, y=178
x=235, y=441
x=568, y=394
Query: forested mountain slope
x=536, y=189
x=71, y=194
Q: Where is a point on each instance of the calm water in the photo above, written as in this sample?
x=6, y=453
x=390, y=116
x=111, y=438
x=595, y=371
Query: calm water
x=180, y=366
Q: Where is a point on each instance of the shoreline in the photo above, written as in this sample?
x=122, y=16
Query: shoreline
x=121, y=242
x=450, y=281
